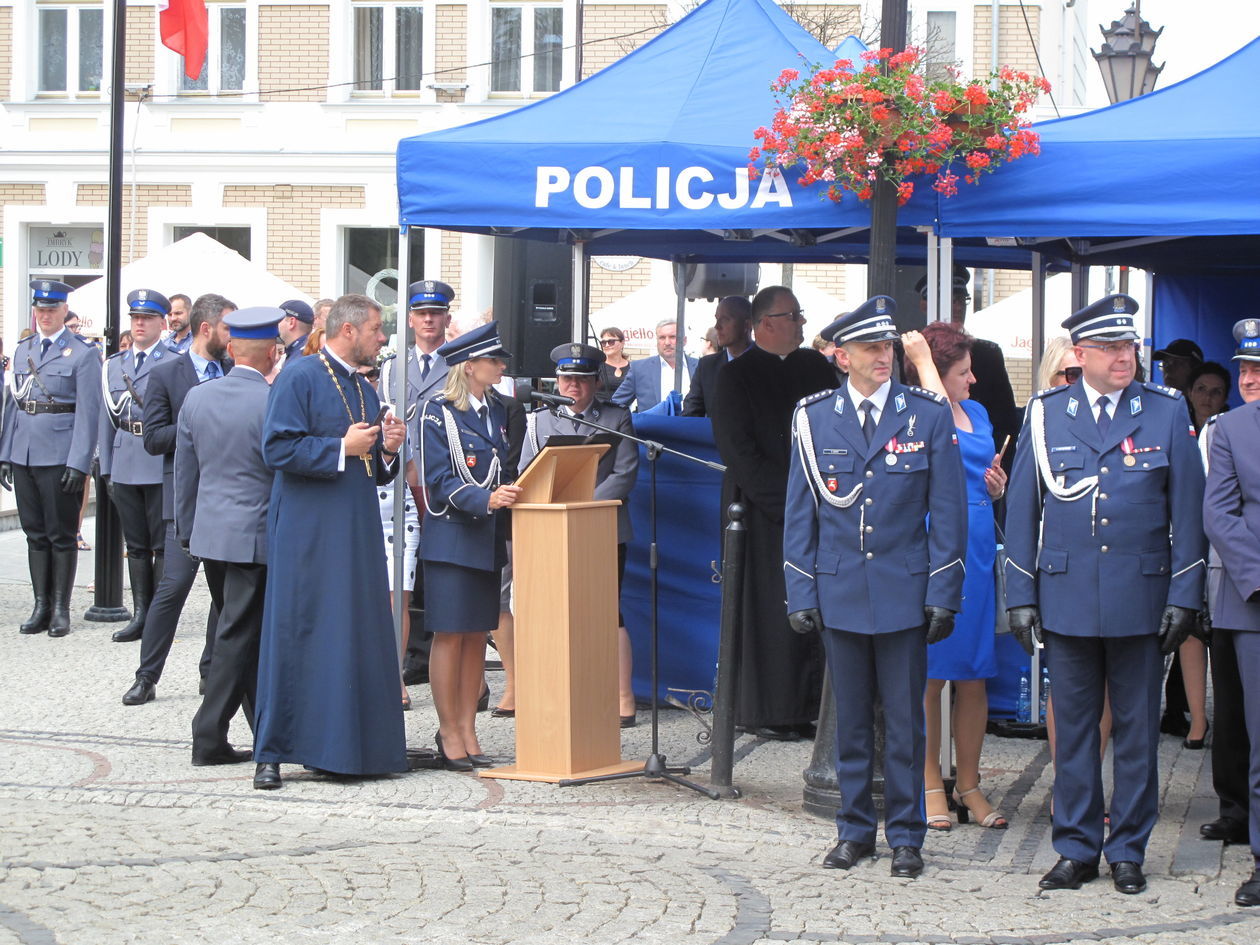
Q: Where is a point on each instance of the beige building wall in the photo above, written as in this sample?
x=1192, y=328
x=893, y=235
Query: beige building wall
x=135, y=222
x=293, y=52
x=1015, y=49
x=141, y=36
x=13, y=195
x=607, y=287
x=450, y=41
x=605, y=29
x=6, y=52
x=293, y=213
x=452, y=246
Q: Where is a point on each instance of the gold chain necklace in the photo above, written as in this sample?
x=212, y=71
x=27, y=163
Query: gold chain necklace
x=367, y=459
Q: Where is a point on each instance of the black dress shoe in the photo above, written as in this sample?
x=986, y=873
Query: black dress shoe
x=846, y=854
x=778, y=733
x=1196, y=744
x=907, y=862
x=1174, y=724
x=1231, y=831
x=499, y=713
x=629, y=721
x=481, y=761
x=226, y=755
x=1128, y=878
x=1069, y=874
x=1249, y=892
x=142, y=690
x=806, y=730
x=129, y=634
x=451, y=764
x=267, y=777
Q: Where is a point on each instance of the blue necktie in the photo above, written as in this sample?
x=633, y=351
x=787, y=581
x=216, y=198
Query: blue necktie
x=481, y=412
x=1104, y=418
x=212, y=370
x=868, y=423
x=424, y=371
x=47, y=343
x=139, y=361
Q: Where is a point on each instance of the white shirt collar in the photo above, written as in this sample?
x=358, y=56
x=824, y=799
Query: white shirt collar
x=878, y=399
x=476, y=403
x=1093, y=396
x=329, y=351
x=55, y=335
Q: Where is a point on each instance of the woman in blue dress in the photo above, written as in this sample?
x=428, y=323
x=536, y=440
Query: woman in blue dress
x=939, y=359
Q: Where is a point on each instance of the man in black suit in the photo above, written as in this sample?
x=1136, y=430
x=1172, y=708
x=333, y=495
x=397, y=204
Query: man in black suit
x=733, y=322
x=780, y=672
x=169, y=383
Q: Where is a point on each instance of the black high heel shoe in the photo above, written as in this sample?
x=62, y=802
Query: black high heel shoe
x=481, y=761
x=451, y=764
x=1197, y=744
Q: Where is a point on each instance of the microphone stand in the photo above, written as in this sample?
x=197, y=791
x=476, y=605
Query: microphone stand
x=655, y=767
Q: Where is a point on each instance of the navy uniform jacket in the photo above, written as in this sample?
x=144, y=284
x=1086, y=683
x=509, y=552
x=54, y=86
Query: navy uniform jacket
x=71, y=372
x=121, y=435
x=222, y=515
x=293, y=350
x=1116, y=536
x=618, y=467
x=872, y=566
x=459, y=527
x=1231, y=515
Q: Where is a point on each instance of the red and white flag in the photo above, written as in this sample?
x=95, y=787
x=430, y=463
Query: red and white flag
x=185, y=29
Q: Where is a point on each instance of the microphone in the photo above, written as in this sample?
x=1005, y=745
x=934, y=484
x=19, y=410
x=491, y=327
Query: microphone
x=551, y=400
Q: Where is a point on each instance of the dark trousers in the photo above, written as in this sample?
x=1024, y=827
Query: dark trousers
x=1247, y=652
x=237, y=590
x=49, y=516
x=168, y=603
x=1231, y=748
x=890, y=667
x=1130, y=669
x=140, y=512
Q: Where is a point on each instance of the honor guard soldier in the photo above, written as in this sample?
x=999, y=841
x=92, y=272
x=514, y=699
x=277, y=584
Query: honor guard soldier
x=866, y=566
x=46, y=448
x=1105, y=552
x=1231, y=517
x=135, y=476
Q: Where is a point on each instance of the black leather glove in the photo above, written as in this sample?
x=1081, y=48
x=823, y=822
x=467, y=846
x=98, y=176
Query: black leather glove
x=1175, y=625
x=1203, y=627
x=72, y=481
x=806, y=621
x=6, y=476
x=1026, y=626
x=940, y=623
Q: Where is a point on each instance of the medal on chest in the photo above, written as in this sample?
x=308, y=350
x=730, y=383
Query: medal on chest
x=891, y=448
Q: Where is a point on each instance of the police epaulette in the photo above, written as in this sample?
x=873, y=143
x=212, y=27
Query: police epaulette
x=1211, y=420
x=1053, y=390
x=1161, y=389
x=930, y=395
x=814, y=398
x=116, y=354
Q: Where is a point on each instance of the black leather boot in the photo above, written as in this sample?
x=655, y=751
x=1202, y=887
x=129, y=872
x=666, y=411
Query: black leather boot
x=141, y=570
x=63, y=565
x=40, y=563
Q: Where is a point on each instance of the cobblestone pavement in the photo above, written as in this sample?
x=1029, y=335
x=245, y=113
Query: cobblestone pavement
x=109, y=835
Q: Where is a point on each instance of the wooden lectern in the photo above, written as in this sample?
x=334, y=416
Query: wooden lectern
x=564, y=563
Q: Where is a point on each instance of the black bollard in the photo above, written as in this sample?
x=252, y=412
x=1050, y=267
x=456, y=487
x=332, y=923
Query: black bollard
x=821, y=796
x=728, y=653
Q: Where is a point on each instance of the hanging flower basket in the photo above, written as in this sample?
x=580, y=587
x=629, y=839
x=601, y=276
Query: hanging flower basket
x=849, y=126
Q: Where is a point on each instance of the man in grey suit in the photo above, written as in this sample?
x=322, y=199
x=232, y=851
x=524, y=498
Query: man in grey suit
x=46, y=448
x=648, y=381
x=135, y=475
x=222, y=493
x=1231, y=519
x=577, y=376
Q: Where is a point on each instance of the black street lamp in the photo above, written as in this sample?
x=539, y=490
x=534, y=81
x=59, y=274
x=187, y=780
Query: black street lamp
x=1125, y=57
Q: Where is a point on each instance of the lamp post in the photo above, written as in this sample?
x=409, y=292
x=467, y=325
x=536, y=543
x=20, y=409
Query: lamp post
x=1128, y=71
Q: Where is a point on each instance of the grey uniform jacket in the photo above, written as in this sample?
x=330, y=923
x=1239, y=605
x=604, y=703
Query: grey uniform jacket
x=1231, y=516
x=71, y=374
x=121, y=437
x=418, y=391
x=618, y=468
x=222, y=485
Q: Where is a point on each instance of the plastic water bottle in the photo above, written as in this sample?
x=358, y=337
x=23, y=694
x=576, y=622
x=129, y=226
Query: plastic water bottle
x=1023, y=708
x=1045, y=689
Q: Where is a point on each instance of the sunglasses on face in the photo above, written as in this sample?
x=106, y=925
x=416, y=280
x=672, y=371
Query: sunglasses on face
x=1071, y=374
x=608, y=342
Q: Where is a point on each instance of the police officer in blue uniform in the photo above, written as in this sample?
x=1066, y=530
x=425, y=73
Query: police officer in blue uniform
x=1231, y=518
x=871, y=461
x=295, y=328
x=135, y=476
x=46, y=449
x=1105, y=470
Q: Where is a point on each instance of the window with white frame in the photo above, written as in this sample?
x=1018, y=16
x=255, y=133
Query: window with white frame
x=388, y=47
x=942, y=42
x=526, y=48
x=69, y=47
x=227, y=58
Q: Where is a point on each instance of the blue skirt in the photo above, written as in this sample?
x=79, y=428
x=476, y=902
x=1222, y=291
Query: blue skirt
x=459, y=599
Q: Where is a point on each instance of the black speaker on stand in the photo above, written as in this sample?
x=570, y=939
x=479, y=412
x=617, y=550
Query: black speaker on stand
x=533, y=302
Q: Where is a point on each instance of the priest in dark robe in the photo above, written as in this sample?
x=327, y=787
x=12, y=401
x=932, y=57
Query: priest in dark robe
x=328, y=661
x=780, y=672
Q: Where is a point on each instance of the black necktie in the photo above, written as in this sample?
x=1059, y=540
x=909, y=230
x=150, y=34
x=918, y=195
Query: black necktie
x=1104, y=418
x=481, y=412
x=424, y=371
x=47, y=343
x=139, y=360
x=868, y=422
